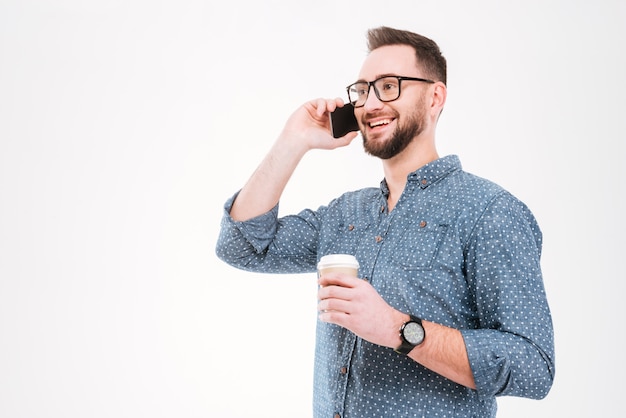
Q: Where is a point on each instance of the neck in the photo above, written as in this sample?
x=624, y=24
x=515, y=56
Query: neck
x=398, y=168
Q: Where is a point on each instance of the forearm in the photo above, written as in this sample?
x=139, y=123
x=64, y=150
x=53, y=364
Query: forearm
x=264, y=188
x=489, y=361
x=443, y=351
x=306, y=129
x=355, y=304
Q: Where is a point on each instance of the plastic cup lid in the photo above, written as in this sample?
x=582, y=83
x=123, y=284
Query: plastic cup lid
x=343, y=260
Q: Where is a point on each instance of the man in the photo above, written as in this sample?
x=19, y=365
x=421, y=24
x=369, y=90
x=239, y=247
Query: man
x=449, y=310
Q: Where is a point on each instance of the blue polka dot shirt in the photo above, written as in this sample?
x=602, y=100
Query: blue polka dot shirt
x=457, y=250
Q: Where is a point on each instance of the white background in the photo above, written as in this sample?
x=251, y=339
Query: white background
x=125, y=125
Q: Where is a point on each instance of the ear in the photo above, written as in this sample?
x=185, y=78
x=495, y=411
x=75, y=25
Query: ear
x=440, y=93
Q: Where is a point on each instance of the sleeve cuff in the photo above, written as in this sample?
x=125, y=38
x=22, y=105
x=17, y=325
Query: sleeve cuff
x=258, y=231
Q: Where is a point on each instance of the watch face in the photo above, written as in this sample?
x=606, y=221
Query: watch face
x=413, y=333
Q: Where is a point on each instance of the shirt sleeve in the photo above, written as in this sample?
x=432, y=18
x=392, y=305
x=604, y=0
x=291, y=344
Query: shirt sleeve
x=268, y=244
x=512, y=352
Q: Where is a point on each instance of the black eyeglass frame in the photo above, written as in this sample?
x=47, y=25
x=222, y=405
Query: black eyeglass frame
x=371, y=84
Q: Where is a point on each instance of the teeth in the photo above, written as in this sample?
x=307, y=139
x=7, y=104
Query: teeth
x=380, y=122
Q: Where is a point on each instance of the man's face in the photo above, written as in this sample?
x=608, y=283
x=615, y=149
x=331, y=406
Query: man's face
x=389, y=127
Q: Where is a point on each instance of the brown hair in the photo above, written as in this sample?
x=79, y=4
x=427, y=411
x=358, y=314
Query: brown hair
x=427, y=51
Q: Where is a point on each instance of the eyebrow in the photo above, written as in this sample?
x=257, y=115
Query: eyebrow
x=362, y=80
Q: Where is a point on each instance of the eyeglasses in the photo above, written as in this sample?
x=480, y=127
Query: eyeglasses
x=387, y=89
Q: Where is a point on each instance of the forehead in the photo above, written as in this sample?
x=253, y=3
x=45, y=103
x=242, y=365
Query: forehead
x=390, y=59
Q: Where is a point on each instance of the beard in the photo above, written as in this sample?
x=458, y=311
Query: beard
x=401, y=137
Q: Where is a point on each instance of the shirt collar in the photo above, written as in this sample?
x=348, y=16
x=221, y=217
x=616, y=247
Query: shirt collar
x=429, y=173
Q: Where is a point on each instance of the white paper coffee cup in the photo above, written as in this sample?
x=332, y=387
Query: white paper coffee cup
x=338, y=263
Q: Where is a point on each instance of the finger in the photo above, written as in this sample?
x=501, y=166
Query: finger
x=338, y=279
x=339, y=102
x=328, y=105
x=333, y=104
x=335, y=317
x=335, y=305
x=316, y=107
x=334, y=292
x=321, y=107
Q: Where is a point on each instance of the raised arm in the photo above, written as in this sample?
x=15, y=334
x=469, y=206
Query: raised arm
x=307, y=128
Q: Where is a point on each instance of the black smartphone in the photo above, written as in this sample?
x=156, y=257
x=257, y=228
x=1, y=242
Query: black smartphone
x=342, y=121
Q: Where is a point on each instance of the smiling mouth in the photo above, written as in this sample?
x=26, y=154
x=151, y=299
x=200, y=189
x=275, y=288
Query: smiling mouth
x=382, y=122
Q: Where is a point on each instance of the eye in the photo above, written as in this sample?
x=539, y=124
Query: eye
x=390, y=85
x=361, y=90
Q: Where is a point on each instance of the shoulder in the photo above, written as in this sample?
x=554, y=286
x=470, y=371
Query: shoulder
x=357, y=197
x=478, y=193
x=469, y=184
x=482, y=203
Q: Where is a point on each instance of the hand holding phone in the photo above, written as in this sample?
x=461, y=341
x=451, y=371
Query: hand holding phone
x=343, y=121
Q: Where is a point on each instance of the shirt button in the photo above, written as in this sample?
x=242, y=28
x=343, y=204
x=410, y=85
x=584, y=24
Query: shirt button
x=337, y=416
x=424, y=182
x=379, y=238
x=343, y=370
x=422, y=224
x=350, y=227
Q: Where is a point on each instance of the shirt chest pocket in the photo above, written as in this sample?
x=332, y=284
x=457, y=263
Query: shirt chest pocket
x=419, y=244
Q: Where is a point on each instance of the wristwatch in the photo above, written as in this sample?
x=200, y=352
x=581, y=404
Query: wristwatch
x=412, y=334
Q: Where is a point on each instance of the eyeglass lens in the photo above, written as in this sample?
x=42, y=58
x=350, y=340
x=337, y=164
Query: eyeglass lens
x=386, y=89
